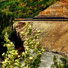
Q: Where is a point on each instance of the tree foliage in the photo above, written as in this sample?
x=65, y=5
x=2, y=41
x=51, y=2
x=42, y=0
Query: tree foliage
x=63, y=63
x=32, y=55
x=25, y=8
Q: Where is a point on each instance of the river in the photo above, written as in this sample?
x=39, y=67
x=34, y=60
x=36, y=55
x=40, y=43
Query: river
x=47, y=59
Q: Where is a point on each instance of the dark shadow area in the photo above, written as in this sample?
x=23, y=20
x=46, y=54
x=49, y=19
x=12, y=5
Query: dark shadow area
x=17, y=42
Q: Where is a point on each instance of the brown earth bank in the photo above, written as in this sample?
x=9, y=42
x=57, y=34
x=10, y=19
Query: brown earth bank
x=58, y=9
x=54, y=34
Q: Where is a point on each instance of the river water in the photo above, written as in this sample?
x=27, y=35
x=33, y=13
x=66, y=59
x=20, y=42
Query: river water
x=46, y=60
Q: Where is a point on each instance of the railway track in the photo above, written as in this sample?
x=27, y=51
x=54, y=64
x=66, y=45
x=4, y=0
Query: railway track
x=42, y=19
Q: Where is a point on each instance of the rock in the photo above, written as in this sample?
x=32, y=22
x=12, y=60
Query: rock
x=54, y=34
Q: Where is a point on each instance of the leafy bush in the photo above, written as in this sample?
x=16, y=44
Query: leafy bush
x=5, y=21
x=60, y=64
x=6, y=3
x=32, y=55
x=28, y=8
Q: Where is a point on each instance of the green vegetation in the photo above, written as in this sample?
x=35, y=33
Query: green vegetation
x=33, y=51
x=63, y=63
x=5, y=21
x=25, y=8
